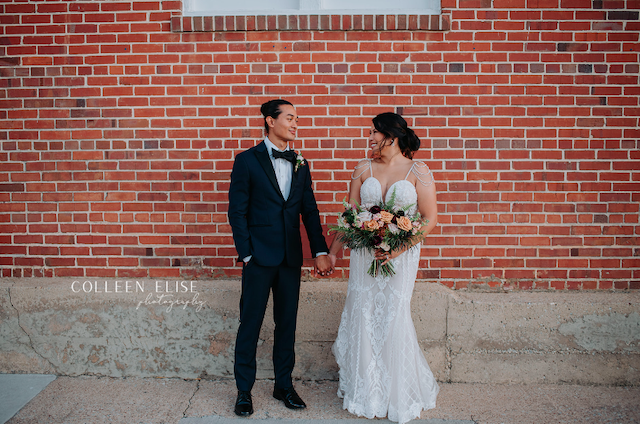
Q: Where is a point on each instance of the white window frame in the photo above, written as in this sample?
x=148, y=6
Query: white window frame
x=309, y=7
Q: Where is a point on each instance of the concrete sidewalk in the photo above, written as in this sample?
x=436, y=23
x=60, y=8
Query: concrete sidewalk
x=91, y=400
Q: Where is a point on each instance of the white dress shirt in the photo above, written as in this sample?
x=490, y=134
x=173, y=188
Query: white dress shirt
x=282, y=167
x=284, y=172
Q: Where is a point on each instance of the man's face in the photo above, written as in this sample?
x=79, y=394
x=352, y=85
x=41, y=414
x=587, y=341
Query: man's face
x=283, y=128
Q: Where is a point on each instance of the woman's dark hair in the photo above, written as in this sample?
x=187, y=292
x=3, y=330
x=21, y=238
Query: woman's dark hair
x=272, y=109
x=392, y=125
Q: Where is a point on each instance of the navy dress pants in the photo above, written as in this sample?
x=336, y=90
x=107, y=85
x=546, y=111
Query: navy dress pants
x=257, y=282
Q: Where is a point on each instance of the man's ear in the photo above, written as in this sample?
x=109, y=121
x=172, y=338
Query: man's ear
x=270, y=121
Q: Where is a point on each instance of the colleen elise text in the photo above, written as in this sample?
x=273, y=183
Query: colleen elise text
x=169, y=294
x=126, y=286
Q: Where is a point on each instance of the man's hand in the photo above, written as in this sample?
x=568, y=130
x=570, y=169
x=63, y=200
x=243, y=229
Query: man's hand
x=323, y=266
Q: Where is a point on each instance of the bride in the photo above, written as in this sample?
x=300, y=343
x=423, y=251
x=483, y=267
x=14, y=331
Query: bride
x=382, y=369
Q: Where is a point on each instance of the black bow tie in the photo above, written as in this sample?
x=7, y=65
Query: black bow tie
x=289, y=155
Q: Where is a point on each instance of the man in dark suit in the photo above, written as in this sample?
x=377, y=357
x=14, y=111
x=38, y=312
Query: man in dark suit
x=270, y=190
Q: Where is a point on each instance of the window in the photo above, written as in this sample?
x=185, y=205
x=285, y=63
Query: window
x=310, y=7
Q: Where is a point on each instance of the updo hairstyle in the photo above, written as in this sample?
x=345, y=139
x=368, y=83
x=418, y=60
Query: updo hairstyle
x=392, y=125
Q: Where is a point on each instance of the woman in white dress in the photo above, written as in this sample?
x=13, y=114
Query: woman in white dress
x=383, y=372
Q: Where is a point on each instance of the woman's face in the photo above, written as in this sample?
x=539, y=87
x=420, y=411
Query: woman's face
x=377, y=141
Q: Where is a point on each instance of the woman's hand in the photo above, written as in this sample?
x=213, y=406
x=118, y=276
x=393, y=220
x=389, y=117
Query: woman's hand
x=387, y=256
x=333, y=258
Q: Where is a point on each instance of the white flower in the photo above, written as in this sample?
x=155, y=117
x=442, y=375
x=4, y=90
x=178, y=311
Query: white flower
x=393, y=228
x=365, y=216
x=299, y=162
x=376, y=217
x=385, y=246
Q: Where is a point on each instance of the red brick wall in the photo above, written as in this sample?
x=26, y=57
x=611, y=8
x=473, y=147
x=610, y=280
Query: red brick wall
x=118, y=135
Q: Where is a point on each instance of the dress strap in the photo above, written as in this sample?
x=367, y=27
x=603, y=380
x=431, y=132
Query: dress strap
x=410, y=169
x=361, y=168
x=422, y=173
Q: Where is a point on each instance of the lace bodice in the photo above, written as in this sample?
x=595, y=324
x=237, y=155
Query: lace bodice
x=371, y=194
x=371, y=189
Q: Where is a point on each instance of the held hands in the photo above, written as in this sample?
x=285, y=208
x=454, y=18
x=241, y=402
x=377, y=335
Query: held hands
x=323, y=266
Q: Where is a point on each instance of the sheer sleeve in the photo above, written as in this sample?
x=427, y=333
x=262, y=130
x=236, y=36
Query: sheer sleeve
x=422, y=173
x=361, y=168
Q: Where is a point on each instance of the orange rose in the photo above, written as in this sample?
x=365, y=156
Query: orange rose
x=404, y=223
x=371, y=225
x=386, y=216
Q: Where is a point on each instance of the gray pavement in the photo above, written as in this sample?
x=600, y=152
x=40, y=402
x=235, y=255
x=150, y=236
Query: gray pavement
x=16, y=390
x=89, y=399
x=220, y=420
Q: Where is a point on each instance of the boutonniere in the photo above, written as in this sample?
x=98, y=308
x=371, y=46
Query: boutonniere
x=299, y=162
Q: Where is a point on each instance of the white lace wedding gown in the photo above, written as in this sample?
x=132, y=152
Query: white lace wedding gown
x=383, y=372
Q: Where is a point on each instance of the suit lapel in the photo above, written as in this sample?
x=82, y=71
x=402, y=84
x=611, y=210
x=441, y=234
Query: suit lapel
x=294, y=181
x=263, y=158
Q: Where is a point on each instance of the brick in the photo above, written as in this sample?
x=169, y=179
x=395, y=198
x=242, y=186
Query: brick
x=527, y=117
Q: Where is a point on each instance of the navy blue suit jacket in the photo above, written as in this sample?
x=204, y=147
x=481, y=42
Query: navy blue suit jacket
x=264, y=224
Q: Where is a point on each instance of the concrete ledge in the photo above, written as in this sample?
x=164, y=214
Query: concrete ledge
x=521, y=337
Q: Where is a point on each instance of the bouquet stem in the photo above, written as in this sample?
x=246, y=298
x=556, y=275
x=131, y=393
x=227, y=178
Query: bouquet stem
x=376, y=267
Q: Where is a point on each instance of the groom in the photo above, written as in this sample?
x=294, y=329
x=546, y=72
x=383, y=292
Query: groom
x=270, y=190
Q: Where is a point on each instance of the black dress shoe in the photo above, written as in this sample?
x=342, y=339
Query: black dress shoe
x=244, y=405
x=289, y=397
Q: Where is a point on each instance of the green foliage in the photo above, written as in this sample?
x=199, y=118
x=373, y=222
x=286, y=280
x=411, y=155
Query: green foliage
x=354, y=234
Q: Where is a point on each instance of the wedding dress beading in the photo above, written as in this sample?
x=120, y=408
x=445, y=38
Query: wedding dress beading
x=383, y=372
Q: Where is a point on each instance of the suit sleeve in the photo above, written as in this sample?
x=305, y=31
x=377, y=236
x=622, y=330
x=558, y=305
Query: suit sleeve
x=238, y=207
x=311, y=217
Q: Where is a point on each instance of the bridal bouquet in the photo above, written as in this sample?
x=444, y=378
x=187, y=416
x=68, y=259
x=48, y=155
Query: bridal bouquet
x=382, y=226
